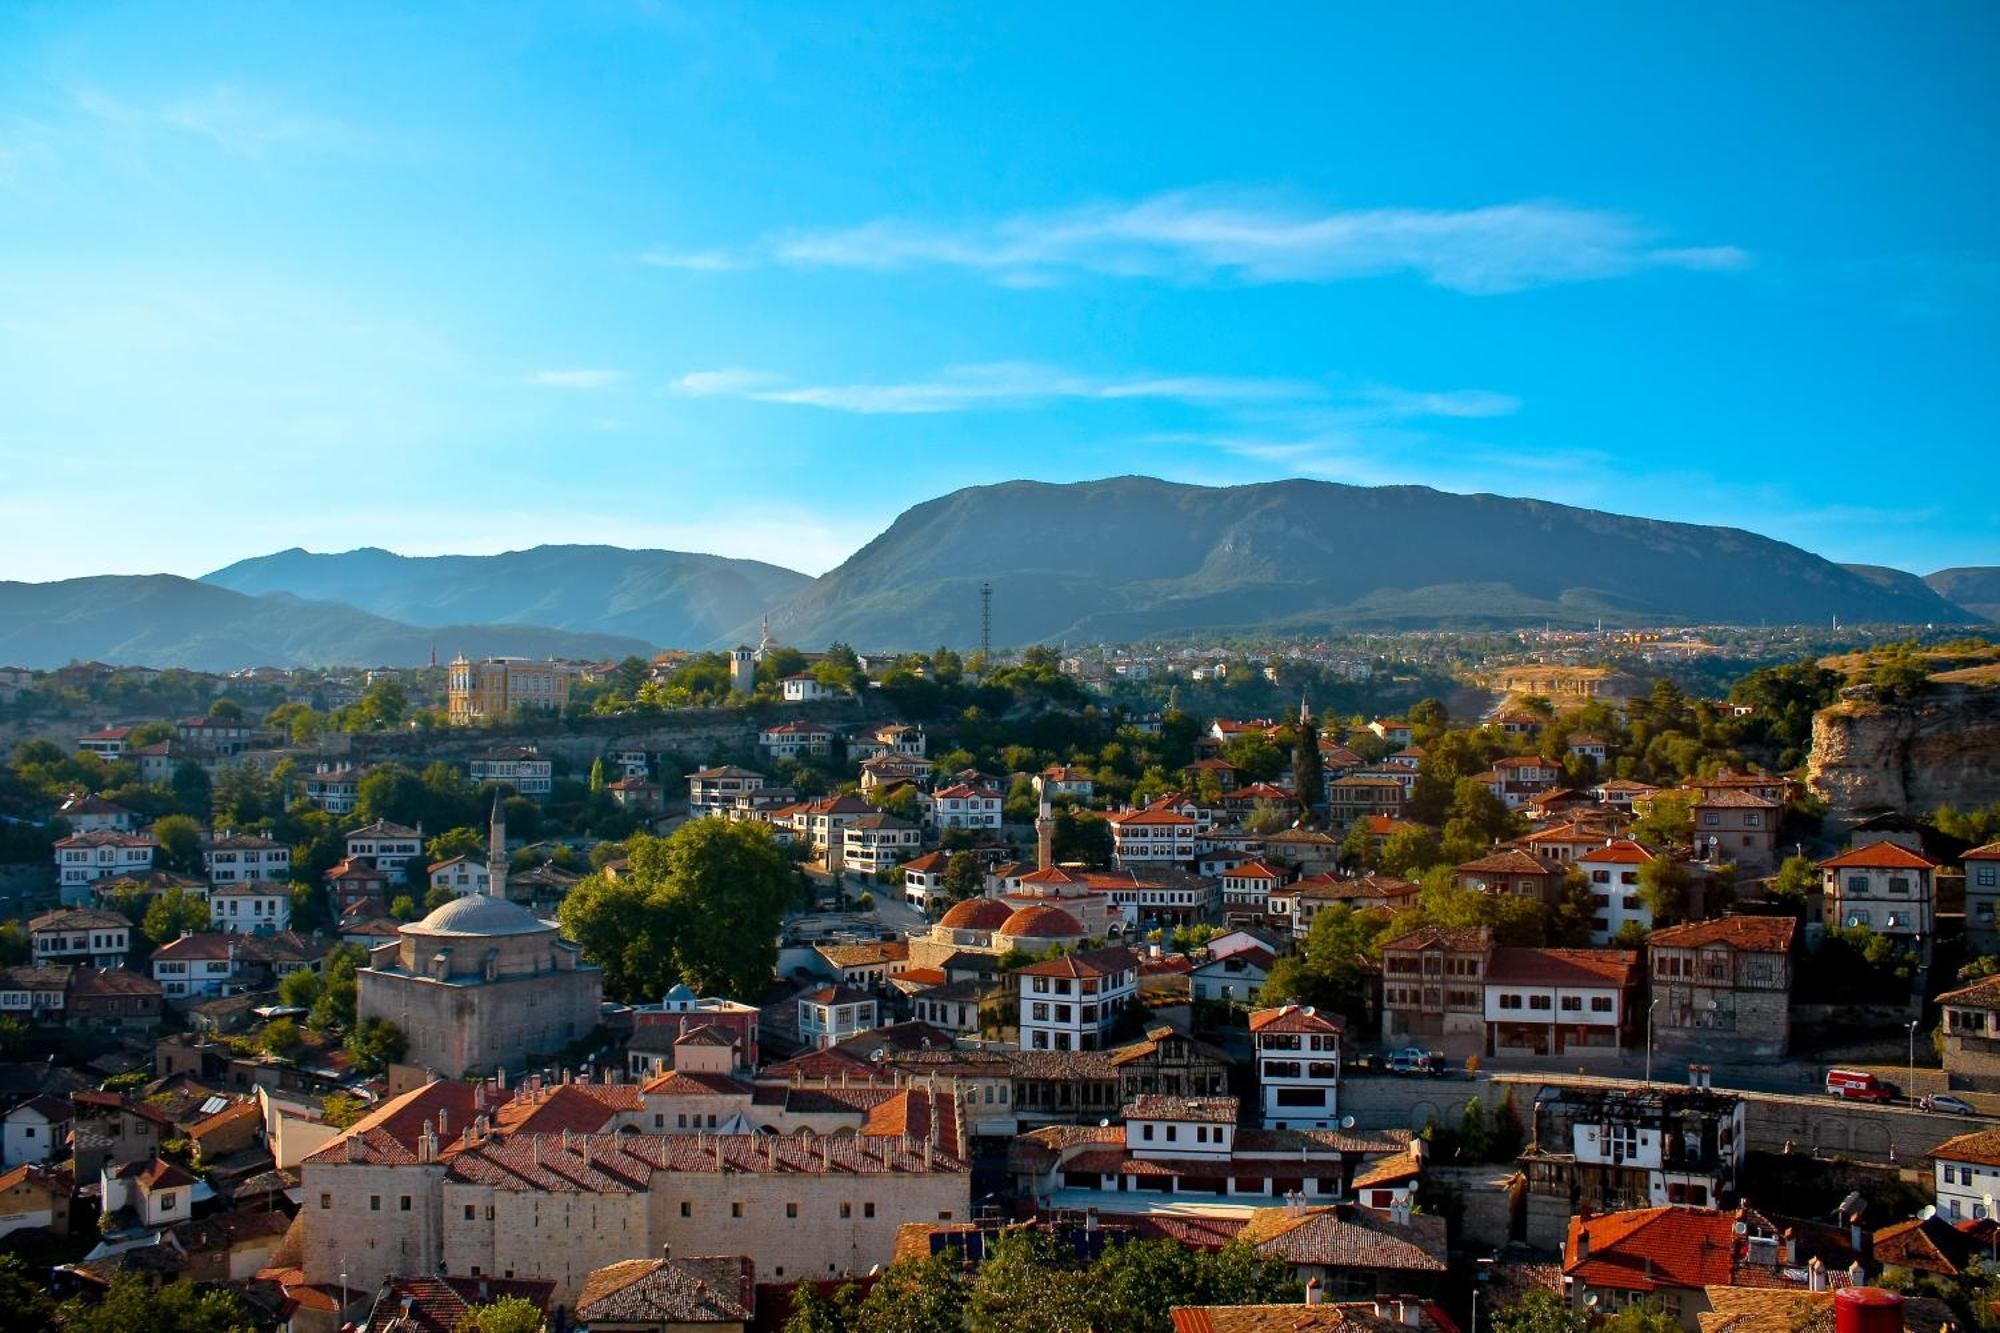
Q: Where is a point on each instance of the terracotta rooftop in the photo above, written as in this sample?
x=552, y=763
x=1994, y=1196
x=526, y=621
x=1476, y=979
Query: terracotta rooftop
x=1561, y=967
x=1293, y=1018
x=1752, y=934
x=1879, y=856
x=1093, y=963
x=1649, y=1248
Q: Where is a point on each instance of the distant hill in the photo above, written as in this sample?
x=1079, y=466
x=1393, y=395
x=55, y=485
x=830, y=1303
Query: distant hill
x=668, y=598
x=163, y=621
x=1974, y=587
x=1132, y=557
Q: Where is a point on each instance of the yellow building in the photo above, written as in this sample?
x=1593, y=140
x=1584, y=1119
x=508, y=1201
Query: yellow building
x=498, y=685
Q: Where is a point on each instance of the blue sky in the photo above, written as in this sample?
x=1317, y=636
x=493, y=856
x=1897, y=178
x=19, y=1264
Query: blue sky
x=754, y=278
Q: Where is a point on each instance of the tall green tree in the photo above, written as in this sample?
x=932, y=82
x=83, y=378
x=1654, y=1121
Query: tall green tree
x=1308, y=771
x=180, y=844
x=703, y=905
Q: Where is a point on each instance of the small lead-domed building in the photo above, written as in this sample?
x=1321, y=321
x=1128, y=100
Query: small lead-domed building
x=481, y=983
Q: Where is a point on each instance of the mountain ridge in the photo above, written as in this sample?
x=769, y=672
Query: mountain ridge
x=1134, y=557
x=666, y=598
x=163, y=620
x=1974, y=587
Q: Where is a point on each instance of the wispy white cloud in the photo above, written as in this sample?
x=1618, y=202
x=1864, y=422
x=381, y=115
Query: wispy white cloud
x=992, y=385
x=240, y=121
x=1215, y=235
x=576, y=379
x=701, y=261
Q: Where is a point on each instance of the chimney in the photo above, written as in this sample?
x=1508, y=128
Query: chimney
x=1313, y=1294
x=1410, y=1311
x=353, y=1147
x=444, y=1121
x=1789, y=1246
x=1857, y=1238
x=1815, y=1274
x=1582, y=1244
x=666, y=1252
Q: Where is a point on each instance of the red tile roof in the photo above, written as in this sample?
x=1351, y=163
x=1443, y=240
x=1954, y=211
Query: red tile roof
x=1094, y=963
x=1649, y=1248
x=1751, y=934
x=1561, y=967
x=1292, y=1018
x=1879, y=856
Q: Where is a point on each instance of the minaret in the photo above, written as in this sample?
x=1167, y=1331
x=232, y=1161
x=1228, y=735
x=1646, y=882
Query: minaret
x=1045, y=829
x=764, y=640
x=1304, y=711
x=496, y=852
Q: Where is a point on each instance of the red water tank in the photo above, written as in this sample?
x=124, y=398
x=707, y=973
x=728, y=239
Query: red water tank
x=1867, y=1310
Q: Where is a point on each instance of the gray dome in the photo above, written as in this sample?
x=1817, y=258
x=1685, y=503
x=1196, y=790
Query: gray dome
x=478, y=914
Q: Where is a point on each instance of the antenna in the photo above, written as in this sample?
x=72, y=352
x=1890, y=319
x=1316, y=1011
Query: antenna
x=985, y=619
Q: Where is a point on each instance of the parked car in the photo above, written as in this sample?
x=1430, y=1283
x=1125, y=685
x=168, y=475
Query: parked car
x=1410, y=1060
x=1944, y=1101
x=1856, y=1085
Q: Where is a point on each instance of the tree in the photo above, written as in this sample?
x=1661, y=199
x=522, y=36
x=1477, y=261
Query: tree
x=1268, y=817
x=281, y=1038
x=1308, y=771
x=1667, y=823
x=1539, y=1311
x=437, y=898
x=597, y=781
x=14, y=944
x=1357, y=847
x=190, y=786
x=403, y=907
x=962, y=876
x=1796, y=881
x=1570, y=920
x=375, y=1044
x=1409, y=852
x=300, y=989
x=1030, y=1283
x=226, y=710
x=915, y=1296
x=173, y=913
x=1664, y=885
x=181, y=1306
x=180, y=844
x=1080, y=838
x=702, y=905
x=509, y=1314
x=28, y=1307
x=461, y=841
x=812, y=1312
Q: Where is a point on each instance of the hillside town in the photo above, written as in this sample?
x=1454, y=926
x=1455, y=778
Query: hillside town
x=1501, y=981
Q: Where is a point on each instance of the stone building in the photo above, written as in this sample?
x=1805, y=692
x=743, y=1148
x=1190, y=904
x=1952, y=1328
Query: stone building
x=1971, y=1023
x=481, y=983
x=1723, y=988
x=435, y=1181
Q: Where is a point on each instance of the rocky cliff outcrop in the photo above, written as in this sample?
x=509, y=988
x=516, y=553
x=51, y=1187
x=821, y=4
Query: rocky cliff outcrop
x=1943, y=748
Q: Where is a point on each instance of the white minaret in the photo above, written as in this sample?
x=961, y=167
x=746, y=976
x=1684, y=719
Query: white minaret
x=496, y=852
x=1045, y=827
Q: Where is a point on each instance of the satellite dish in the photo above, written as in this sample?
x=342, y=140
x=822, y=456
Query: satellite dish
x=1927, y=1212
x=1591, y=1300
x=1104, y=1124
x=1347, y=1122
x=1741, y=1228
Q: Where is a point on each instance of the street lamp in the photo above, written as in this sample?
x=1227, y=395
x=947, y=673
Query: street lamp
x=1992, y=1234
x=1649, y=1036
x=1913, y=1061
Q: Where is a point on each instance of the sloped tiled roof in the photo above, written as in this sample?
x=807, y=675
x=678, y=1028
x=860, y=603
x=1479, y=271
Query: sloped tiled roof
x=1751, y=934
x=1648, y=1248
x=718, y=1290
x=1345, y=1236
x=1879, y=856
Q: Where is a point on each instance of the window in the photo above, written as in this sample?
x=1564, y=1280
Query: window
x=468, y=1212
x=374, y=1203
x=325, y=1201
x=791, y=1210
x=868, y=1210
x=403, y=1204
x=1600, y=1004
x=1538, y=1002
x=687, y=1209
x=846, y=1209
